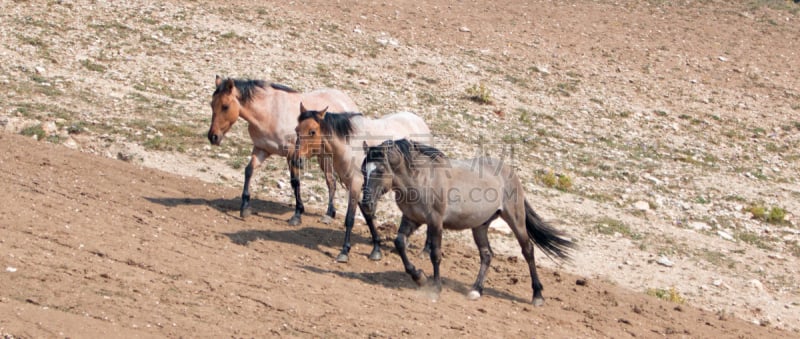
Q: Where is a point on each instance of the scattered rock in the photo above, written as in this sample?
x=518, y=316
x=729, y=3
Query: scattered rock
x=699, y=226
x=664, y=261
x=641, y=205
x=725, y=235
x=581, y=282
x=463, y=29
x=756, y=284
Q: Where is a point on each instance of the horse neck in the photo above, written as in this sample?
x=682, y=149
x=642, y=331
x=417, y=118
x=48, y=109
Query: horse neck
x=346, y=161
x=268, y=106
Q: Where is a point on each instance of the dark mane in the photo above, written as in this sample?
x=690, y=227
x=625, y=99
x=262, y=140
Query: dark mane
x=337, y=123
x=282, y=87
x=407, y=146
x=245, y=86
x=407, y=149
x=248, y=86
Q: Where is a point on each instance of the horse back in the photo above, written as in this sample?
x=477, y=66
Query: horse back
x=334, y=99
x=400, y=125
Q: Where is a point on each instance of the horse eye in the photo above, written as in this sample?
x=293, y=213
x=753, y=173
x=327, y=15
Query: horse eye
x=312, y=133
x=225, y=107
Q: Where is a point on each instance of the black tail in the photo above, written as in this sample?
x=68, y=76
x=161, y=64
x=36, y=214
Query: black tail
x=545, y=236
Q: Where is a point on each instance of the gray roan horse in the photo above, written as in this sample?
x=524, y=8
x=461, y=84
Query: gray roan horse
x=340, y=135
x=271, y=112
x=456, y=194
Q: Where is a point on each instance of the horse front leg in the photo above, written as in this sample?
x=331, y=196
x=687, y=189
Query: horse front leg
x=326, y=164
x=349, y=219
x=256, y=158
x=294, y=174
x=403, y=232
x=376, y=240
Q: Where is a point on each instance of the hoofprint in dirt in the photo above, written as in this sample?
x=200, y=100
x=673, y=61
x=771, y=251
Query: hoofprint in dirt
x=169, y=256
x=671, y=119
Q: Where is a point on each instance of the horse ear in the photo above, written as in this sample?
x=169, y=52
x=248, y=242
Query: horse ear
x=229, y=85
x=321, y=114
x=218, y=80
x=302, y=108
x=365, y=147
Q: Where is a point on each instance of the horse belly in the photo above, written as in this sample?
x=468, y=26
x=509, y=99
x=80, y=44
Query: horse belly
x=465, y=217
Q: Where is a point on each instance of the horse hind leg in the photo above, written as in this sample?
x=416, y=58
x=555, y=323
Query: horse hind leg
x=435, y=238
x=518, y=226
x=480, y=235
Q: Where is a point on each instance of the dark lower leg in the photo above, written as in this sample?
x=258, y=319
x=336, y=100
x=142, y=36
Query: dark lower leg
x=298, y=202
x=400, y=244
x=527, y=252
x=349, y=219
x=330, y=180
x=245, y=210
x=376, y=239
x=482, y=241
x=435, y=238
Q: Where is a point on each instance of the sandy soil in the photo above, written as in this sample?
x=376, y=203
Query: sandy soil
x=672, y=118
x=168, y=256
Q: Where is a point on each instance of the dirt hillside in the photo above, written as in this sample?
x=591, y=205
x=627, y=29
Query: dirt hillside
x=662, y=136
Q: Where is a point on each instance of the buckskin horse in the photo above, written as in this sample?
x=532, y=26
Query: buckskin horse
x=271, y=111
x=340, y=135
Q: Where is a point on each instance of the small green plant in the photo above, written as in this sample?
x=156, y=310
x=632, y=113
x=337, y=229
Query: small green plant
x=480, y=93
x=758, y=211
x=610, y=226
x=548, y=179
x=34, y=131
x=88, y=64
x=237, y=162
x=564, y=182
x=776, y=215
x=671, y=294
x=773, y=215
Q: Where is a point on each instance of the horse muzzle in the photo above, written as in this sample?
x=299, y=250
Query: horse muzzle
x=214, y=139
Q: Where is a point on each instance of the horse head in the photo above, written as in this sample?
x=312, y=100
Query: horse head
x=378, y=170
x=309, y=135
x=225, y=107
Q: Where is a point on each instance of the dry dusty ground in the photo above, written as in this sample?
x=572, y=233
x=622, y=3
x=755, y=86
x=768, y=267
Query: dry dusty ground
x=98, y=247
x=673, y=119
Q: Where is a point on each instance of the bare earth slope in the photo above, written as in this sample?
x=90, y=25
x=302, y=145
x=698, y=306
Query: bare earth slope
x=98, y=247
x=675, y=122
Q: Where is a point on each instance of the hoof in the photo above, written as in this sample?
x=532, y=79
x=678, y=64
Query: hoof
x=473, y=295
x=294, y=221
x=420, y=279
x=244, y=213
x=538, y=301
x=326, y=220
x=376, y=255
x=342, y=258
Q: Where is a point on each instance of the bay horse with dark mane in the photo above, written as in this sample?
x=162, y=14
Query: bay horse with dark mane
x=271, y=111
x=340, y=135
x=431, y=189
